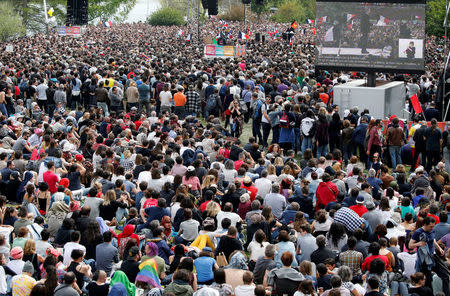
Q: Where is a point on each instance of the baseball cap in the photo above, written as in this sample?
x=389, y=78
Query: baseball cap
x=133, y=251
x=207, y=249
x=360, y=199
x=190, y=168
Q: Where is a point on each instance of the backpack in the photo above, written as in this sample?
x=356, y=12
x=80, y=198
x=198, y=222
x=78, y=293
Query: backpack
x=448, y=142
x=307, y=127
x=284, y=120
x=211, y=103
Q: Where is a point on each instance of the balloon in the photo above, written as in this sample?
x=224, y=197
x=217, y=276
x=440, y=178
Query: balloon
x=50, y=12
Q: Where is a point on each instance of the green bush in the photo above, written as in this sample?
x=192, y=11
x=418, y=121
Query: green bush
x=166, y=17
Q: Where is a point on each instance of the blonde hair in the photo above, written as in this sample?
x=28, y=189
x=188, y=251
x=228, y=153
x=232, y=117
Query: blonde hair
x=212, y=209
x=30, y=247
x=278, y=161
x=110, y=196
x=305, y=268
x=208, y=181
x=271, y=170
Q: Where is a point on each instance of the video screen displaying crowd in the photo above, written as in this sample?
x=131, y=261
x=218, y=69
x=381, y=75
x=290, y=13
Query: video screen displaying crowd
x=172, y=174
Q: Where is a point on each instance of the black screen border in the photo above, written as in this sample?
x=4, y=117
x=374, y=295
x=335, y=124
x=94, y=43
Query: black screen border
x=376, y=69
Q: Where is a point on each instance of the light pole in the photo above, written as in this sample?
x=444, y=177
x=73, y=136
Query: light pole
x=46, y=16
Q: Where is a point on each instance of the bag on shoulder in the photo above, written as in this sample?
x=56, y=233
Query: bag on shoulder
x=221, y=260
x=211, y=103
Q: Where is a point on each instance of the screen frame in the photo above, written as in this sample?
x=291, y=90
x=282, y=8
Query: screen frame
x=368, y=69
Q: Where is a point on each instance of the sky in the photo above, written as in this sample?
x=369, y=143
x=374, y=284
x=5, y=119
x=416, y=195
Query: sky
x=142, y=9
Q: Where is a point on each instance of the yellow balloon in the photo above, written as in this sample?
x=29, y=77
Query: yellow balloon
x=50, y=12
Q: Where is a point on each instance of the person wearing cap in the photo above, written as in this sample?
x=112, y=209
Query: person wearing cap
x=16, y=264
x=23, y=283
x=359, y=208
x=179, y=100
x=130, y=264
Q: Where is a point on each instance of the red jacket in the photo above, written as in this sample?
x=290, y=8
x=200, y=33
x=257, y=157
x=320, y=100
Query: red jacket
x=359, y=209
x=366, y=264
x=326, y=193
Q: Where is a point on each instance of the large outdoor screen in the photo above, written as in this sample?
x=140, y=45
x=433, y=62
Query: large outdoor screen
x=379, y=36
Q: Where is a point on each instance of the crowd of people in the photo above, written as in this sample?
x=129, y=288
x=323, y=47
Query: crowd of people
x=128, y=168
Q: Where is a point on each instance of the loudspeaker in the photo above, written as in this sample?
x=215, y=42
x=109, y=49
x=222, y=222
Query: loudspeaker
x=257, y=37
x=263, y=38
x=77, y=12
x=213, y=7
x=205, y=4
x=246, y=1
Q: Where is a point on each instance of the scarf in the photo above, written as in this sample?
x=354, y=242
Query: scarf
x=121, y=277
x=149, y=273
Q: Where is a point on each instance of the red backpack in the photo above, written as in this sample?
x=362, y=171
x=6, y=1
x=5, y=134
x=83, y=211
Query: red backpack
x=284, y=120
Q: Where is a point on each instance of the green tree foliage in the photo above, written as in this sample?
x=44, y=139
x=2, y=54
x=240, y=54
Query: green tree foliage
x=435, y=17
x=295, y=10
x=166, y=17
x=32, y=11
x=10, y=22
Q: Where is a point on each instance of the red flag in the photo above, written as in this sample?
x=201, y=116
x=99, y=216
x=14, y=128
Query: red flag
x=416, y=104
x=314, y=31
x=294, y=25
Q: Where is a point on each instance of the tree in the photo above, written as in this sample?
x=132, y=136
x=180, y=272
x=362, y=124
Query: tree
x=293, y=10
x=435, y=17
x=10, y=22
x=166, y=17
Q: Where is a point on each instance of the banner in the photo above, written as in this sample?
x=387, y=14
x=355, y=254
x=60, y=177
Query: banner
x=443, y=126
x=69, y=31
x=227, y=51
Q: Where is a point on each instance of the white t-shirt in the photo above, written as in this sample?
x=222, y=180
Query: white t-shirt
x=256, y=250
x=68, y=248
x=235, y=218
x=409, y=261
x=41, y=248
x=264, y=107
x=165, y=97
x=244, y=290
x=264, y=186
x=144, y=176
x=41, y=92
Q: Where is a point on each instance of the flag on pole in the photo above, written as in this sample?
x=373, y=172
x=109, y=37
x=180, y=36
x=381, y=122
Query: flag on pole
x=314, y=31
x=180, y=32
x=291, y=41
x=107, y=24
x=188, y=37
x=243, y=36
x=323, y=19
x=350, y=26
x=350, y=16
x=416, y=104
x=329, y=37
x=146, y=57
x=294, y=25
x=383, y=21
x=310, y=21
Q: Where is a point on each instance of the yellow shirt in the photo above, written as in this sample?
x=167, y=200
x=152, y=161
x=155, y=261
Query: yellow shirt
x=22, y=284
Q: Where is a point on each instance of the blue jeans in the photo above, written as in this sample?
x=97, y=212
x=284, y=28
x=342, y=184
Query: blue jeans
x=447, y=159
x=306, y=144
x=396, y=159
x=256, y=130
x=399, y=288
x=322, y=150
x=120, y=214
x=104, y=107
